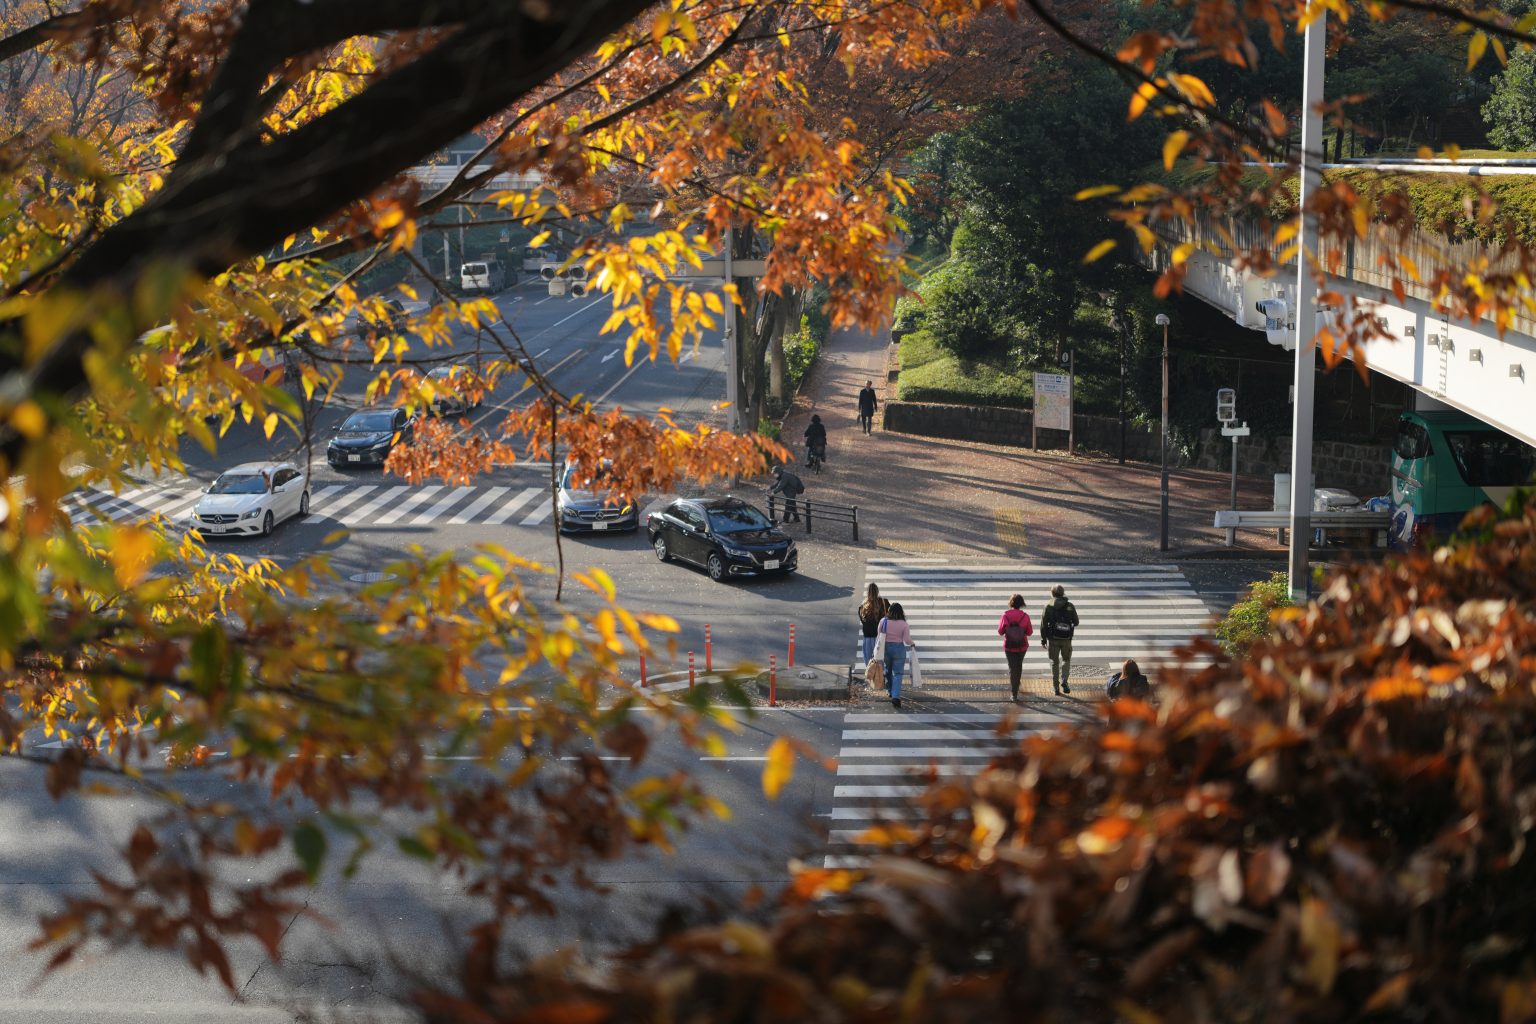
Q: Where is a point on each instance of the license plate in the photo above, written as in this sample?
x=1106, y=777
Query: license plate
x=772, y=563
x=354, y=458
x=599, y=526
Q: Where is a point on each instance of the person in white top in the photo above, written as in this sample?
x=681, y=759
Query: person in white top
x=898, y=637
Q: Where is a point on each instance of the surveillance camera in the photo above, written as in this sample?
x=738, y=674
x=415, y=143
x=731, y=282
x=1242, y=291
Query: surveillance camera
x=1271, y=309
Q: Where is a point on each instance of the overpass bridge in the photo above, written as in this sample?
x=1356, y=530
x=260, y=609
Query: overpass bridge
x=1449, y=363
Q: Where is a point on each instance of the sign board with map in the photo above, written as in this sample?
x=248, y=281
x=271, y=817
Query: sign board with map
x=1053, y=402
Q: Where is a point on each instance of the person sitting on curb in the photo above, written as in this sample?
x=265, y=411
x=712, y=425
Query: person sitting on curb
x=1128, y=682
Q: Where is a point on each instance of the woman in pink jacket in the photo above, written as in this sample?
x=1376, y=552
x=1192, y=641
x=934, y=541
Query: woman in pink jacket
x=1015, y=629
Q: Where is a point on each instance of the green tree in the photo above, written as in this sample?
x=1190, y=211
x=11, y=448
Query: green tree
x=1510, y=112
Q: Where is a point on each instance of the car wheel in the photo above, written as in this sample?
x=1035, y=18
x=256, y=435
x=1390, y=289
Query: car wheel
x=716, y=566
x=659, y=545
x=266, y=524
x=304, y=504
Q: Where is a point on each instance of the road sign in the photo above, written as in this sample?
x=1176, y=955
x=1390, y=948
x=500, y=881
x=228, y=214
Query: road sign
x=1228, y=430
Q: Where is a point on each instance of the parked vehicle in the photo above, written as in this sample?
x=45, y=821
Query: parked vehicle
x=485, y=274
x=368, y=436
x=252, y=499
x=1446, y=463
x=459, y=392
x=587, y=510
x=725, y=536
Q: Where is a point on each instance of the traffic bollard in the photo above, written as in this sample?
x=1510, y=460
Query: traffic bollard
x=791, y=646
x=773, y=680
x=642, y=671
x=690, y=670
x=709, y=656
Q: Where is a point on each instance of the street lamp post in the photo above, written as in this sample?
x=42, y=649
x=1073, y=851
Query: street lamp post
x=1163, y=321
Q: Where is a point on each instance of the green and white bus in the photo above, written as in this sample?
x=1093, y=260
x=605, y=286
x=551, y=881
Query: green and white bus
x=1445, y=464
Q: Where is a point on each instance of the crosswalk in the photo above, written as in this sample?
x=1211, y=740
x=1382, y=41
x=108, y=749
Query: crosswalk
x=883, y=761
x=1127, y=610
x=350, y=505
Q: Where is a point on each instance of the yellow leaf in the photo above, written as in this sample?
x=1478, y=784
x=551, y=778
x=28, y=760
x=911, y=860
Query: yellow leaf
x=28, y=418
x=269, y=424
x=780, y=767
x=1287, y=231
x=1453, y=151
x=1476, y=47
x=1099, y=251
x=1096, y=191
x=132, y=552
x=1173, y=147
x=1139, y=101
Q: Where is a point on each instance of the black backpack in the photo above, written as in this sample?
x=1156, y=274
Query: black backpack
x=1058, y=625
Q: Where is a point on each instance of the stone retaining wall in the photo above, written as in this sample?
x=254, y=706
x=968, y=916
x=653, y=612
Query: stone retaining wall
x=1364, y=469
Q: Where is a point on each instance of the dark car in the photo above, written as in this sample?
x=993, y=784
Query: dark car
x=459, y=390
x=726, y=536
x=366, y=437
x=586, y=509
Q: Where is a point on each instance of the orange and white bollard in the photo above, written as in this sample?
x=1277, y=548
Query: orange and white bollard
x=642, y=671
x=690, y=670
x=773, y=680
x=791, y=646
x=709, y=655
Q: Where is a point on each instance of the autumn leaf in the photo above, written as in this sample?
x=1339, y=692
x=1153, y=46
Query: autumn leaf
x=779, y=767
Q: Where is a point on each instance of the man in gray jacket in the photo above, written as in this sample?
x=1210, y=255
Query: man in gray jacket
x=1058, y=625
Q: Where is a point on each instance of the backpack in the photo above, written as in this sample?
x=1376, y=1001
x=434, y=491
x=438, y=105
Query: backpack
x=1014, y=635
x=1058, y=626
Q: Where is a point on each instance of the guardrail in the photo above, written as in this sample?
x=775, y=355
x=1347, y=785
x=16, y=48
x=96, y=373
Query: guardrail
x=813, y=510
x=1266, y=519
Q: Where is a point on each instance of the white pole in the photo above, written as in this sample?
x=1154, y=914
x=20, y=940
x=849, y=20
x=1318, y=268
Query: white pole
x=732, y=386
x=1306, y=305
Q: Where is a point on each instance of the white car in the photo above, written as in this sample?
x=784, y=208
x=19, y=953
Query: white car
x=252, y=499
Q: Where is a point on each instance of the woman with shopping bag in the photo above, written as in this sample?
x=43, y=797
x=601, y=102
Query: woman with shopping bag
x=897, y=637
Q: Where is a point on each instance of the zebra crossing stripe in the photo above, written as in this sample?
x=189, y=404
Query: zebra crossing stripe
x=876, y=791
x=924, y=752
x=856, y=770
x=444, y=504
x=468, y=514
x=421, y=495
x=540, y=514
x=331, y=512
x=510, y=508
x=356, y=517
x=320, y=497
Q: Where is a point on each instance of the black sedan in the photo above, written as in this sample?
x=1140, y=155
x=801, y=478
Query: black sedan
x=366, y=437
x=725, y=536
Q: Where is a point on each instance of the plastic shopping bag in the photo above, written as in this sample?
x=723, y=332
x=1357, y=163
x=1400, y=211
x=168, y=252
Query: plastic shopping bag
x=914, y=669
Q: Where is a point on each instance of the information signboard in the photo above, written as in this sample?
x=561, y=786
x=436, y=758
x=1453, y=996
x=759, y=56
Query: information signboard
x=1053, y=401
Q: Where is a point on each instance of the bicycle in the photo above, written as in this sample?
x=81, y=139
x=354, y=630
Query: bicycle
x=815, y=455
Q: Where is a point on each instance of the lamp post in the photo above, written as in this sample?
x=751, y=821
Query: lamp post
x=1162, y=545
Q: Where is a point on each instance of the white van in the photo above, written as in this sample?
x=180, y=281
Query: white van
x=485, y=274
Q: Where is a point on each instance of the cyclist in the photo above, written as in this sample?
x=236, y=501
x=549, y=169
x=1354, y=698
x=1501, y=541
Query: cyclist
x=816, y=443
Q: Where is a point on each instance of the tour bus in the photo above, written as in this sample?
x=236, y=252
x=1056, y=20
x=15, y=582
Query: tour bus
x=1446, y=463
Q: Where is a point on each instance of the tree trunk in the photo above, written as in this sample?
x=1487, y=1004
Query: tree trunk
x=777, y=370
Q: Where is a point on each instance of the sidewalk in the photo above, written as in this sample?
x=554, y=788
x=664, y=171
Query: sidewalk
x=937, y=497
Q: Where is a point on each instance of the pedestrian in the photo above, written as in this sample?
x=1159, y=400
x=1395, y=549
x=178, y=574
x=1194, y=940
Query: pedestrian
x=1128, y=682
x=1057, y=626
x=1015, y=629
x=867, y=406
x=815, y=443
x=789, y=485
x=898, y=637
x=870, y=613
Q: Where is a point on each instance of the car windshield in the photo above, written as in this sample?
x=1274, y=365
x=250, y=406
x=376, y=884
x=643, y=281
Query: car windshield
x=737, y=519
x=374, y=422
x=474, y=268
x=239, y=483
x=568, y=482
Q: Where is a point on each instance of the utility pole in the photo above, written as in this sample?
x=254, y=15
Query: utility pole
x=1071, y=401
x=1162, y=545
x=1122, y=395
x=732, y=384
x=1306, y=306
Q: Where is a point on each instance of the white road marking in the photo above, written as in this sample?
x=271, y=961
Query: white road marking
x=343, y=503
x=479, y=503
x=613, y=355
x=506, y=511
x=444, y=504
x=355, y=517
x=540, y=514
x=421, y=495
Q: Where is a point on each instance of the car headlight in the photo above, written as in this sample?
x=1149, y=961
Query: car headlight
x=626, y=510
x=738, y=552
x=252, y=514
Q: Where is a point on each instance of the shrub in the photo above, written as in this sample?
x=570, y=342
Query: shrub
x=768, y=429
x=1251, y=619
x=967, y=312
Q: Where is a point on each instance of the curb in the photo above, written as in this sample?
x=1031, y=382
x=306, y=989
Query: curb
x=830, y=683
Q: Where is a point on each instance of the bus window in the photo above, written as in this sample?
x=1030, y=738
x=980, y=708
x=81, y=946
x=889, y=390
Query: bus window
x=1412, y=440
x=1489, y=458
